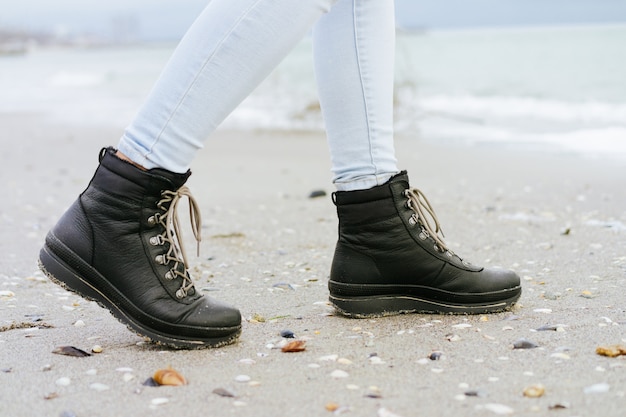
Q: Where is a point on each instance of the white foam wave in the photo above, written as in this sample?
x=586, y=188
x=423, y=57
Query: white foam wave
x=499, y=107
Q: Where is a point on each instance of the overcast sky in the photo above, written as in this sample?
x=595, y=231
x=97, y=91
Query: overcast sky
x=168, y=19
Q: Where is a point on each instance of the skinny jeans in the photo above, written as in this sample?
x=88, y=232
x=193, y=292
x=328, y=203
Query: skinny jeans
x=235, y=44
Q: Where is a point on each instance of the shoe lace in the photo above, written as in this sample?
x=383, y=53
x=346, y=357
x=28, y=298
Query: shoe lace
x=173, y=235
x=424, y=214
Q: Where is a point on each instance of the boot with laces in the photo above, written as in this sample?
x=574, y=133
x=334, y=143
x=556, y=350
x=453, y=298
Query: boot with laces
x=120, y=245
x=391, y=258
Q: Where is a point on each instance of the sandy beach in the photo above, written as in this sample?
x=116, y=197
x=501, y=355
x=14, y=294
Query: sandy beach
x=558, y=219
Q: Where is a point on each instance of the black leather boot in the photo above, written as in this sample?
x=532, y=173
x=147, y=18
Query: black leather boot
x=391, y=259
x=119, y=244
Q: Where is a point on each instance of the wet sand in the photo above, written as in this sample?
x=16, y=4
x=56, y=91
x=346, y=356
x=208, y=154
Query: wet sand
x=558, y=219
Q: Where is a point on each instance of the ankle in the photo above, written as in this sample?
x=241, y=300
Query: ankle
x=123, y=157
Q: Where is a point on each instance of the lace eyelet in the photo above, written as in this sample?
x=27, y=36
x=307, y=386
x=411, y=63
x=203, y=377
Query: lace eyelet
x=161, y=260
x=157, y=240
x=181, y=293
x=169, y=275
x=413, y=220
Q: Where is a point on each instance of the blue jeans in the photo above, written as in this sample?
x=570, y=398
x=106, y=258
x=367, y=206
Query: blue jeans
x=235, y=44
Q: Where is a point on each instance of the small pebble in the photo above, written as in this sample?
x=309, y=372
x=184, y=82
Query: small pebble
x=383, y=412
x=242, y=378
x=338, y=373
x=560, y=355
x=435, y=356
x=79, y=323
x=597, y=388
x=96, y=349
x=499, y=409
x=317, y=193
x=159, y=401
x=476, y=393
x=96, y=386
x=376, y=360
x=63, y=381
x=287, y=334
x=453, y=337
x=551, y=327
x=223, y=392
x=524, y=344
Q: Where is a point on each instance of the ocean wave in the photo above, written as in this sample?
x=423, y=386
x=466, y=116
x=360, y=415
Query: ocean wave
x=502, y=107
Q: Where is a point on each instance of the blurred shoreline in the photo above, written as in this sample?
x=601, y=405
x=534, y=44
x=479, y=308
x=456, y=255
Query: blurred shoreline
x=552, y=87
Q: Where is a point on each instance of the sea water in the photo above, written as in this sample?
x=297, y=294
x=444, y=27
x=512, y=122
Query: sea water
x=553, y=88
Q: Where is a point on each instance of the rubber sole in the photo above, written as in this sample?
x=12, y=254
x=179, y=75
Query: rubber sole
x=61, y=273
x=390, y=305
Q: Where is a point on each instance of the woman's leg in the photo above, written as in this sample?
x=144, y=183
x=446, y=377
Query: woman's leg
x=228, y=51
x=119, y=243
x=354, y=65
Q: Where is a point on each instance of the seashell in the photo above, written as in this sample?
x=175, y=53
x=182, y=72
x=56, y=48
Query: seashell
x=169, y=377
x=534, y=391
x=51, y=395
x=294, y=346
x=611, y=351
x=70, y=351
x=524, y=344
x=96, y=349
x=331, y=407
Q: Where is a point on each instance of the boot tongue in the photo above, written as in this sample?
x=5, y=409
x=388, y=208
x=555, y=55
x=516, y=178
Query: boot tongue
x=121, y=177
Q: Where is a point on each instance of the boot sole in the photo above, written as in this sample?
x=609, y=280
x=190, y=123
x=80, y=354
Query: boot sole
x=61, y=273
x=391, y=305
